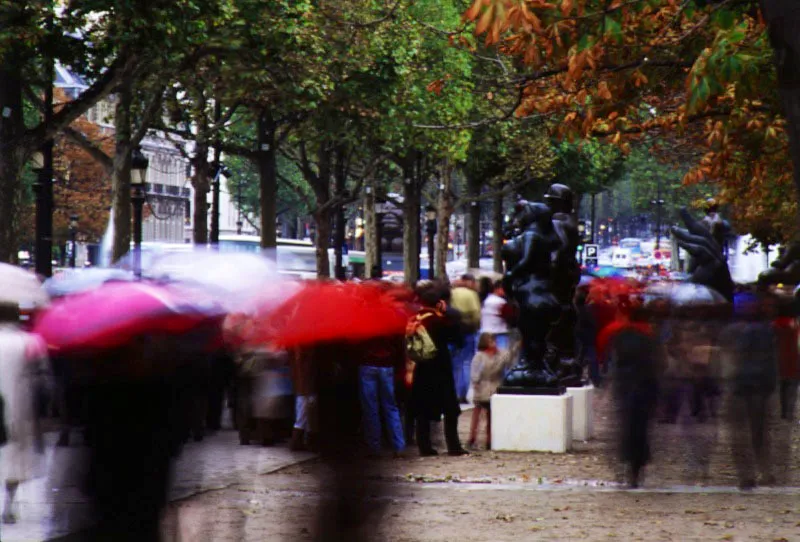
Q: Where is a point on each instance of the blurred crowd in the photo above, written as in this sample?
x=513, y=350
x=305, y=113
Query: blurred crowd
x=398, y=394
x=718, y=378
x=364, y=370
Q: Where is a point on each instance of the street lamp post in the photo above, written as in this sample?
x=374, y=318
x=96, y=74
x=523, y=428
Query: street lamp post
x=73, y=232
x=43, y=188
x=430, y=229
x=239, y=221
x=139, y=163
x=380, y=212
x=659, y=203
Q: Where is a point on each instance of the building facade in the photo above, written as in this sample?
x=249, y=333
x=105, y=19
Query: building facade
x=169, y=193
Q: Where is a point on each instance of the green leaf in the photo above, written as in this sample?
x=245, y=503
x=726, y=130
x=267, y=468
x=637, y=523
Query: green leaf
x=613, y=28
x=724, y=18
x=739, y=34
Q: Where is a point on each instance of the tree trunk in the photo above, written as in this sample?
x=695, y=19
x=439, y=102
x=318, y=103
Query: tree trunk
x=214, y=234
x=339, y=180
x=323, y=222
x=11, y=160
x=473, y=226
x=782, y=18
x=371, y=239
x=202, y=185
x=121, y=172
x=497, y=233
x=411, y=228
x=121, y=200
x=268, y=174
x=444, y=212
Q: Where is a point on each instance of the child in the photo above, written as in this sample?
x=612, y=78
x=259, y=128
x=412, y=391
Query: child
x=488, y=367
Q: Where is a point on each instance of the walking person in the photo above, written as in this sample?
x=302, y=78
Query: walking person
x=586, y=336
x=633, y=351
x=433, y=392
x=22, y=359
x=376, y=391
x=305, y=400
x=787, y=335
x=488, y=367
x=493, y=315
x=751, y=356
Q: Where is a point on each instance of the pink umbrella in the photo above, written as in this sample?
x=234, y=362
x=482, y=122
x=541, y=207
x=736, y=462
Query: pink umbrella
x=115, y=313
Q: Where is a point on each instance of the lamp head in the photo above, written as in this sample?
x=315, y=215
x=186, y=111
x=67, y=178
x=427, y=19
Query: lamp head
x=139, y=164
x=38, y=160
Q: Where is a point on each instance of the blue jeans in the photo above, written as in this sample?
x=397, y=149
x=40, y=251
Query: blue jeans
x=376, y=389
x=502, y=340
x=462, y=361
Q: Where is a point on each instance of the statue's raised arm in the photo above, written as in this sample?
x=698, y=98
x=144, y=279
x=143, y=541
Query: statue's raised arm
x=711, y=266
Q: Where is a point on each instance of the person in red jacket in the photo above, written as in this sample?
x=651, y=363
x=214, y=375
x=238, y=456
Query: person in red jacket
x=786, y=332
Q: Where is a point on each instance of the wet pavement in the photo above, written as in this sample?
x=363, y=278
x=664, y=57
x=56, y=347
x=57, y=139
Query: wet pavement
x=53, y=506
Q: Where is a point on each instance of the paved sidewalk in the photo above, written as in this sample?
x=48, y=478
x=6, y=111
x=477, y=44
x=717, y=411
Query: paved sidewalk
x=53, y=506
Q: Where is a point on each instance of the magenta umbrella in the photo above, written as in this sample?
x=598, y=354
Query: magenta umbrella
x=115, y=313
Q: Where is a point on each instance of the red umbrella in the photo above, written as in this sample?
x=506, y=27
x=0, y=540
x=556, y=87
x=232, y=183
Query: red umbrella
x=331, y=311
x=115, y=313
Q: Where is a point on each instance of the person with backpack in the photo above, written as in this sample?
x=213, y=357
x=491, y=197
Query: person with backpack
x=433, y=392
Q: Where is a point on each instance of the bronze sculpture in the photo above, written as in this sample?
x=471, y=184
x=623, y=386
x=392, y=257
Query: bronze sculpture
x=542, y=273
x=528, y=281
x=703, y=240
x=785, y=269
x=566, y=276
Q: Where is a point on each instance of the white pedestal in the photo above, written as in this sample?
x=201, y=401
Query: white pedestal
x=532, y=423
x=582, y=413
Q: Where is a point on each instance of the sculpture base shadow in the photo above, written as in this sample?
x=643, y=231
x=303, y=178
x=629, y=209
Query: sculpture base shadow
x=572, y=382
x=528, y=390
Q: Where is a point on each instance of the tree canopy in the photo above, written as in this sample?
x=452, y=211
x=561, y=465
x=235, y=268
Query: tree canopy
x=697, y=75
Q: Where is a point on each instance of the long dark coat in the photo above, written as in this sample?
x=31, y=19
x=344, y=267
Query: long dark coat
x=434, y=391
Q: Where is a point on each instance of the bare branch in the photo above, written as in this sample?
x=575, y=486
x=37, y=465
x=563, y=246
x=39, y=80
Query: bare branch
x=150, y=112
x=386, y=17
x=472, y=125
x=90, y=147
x=70, y=111
x=296, y=189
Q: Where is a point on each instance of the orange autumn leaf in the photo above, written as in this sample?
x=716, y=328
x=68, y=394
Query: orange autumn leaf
x=485, y=21
x=603, y=90
x=472, y=13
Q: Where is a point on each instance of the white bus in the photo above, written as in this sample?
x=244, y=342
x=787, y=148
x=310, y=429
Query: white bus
x=295, y=256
